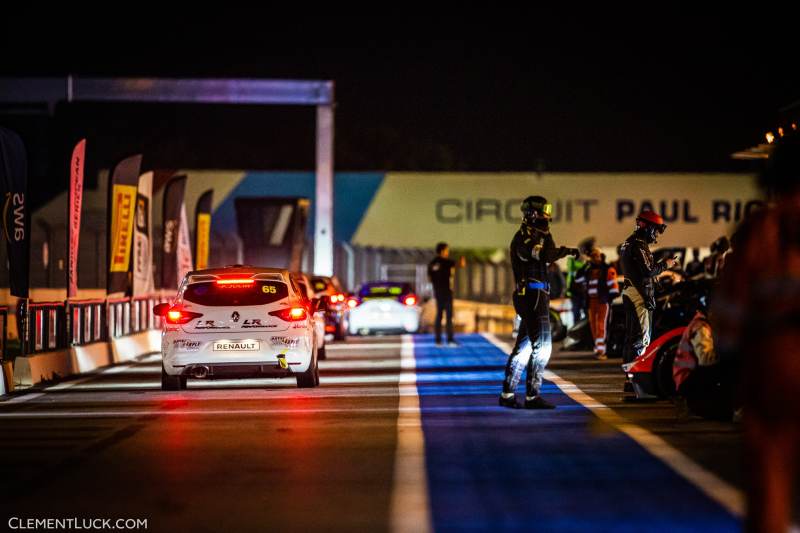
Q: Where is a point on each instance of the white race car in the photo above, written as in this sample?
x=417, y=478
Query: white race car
x=304, y=284
x=384, y=307
x=238, y=322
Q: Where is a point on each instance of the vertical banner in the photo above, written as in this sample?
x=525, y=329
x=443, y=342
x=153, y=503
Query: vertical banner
x=184, y=246
x=123, y=189
x=202, y=229
x=74, y=225
x=142, y=238
x=16, y=216
x=173, y=206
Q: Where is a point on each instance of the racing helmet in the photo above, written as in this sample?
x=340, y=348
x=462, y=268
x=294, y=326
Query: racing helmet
x=536, y=207
x=651, y=224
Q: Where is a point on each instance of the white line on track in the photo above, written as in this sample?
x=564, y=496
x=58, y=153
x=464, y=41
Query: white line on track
x=715, y=488
x=409, y=507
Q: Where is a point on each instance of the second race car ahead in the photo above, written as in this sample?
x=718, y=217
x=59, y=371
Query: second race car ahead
x=385, y=307
x=238, y=322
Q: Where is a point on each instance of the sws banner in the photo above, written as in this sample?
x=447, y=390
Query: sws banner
x=142, y=240
x=123, y=189
x=77, y=164
x=202, y=233
x=173, y=209
x=16, y=215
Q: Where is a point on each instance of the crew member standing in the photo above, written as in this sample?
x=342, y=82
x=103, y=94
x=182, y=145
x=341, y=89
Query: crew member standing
x=638, y=293
x=600, y=280
x=532, y=248
x=440, y=272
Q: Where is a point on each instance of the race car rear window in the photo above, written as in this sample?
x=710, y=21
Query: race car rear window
x=319, y=284
x=386, y=290
x=225, y=293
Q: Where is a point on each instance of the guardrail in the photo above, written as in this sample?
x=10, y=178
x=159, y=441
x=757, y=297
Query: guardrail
x=49, y=326
x=44, y=327
x=3, y=331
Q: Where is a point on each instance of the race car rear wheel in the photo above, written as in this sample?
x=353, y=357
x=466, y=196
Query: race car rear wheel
x=309, y=378
x=662, y=369
x=172, y=382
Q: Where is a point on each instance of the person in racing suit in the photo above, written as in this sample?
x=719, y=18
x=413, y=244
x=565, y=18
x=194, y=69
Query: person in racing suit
x=638, y=293
x=532, y=249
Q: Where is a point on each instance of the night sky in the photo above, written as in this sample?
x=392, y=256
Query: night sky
x=499, y=91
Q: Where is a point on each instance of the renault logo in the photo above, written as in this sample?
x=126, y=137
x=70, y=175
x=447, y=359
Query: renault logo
x=235, y=316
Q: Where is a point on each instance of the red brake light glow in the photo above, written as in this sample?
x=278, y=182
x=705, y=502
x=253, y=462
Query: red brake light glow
x=179, y=316
x=410, y=300
x=292, y=314
x=248, y=281
x=352, y=303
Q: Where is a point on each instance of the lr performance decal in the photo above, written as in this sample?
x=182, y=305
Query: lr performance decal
x=122, y=217
x=240, y=346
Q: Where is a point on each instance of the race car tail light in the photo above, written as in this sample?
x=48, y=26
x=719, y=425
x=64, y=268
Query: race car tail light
x=336, y=298
x=329, y=328
x=352, y=303
x=410, y=300
x=291, y=314
x=179, y=316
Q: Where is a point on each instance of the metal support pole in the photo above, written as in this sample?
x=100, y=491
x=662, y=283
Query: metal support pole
x=323, y=209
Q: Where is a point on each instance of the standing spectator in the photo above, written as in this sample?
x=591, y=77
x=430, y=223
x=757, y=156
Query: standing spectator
x=440, y=273
x=756, y=321
x=575, y=289
x=695, y=266
x=600, y=280
x=713, y=263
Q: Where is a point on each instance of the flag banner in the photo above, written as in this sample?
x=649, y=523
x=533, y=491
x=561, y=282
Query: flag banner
x=16, y=216
x=123, y=189
x=202, y=229
x=184, y=246
x=142, y=238
x=173, y=206
x=77, y=164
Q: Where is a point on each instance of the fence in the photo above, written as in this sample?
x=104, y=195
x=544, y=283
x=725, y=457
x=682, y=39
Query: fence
x=49, y=326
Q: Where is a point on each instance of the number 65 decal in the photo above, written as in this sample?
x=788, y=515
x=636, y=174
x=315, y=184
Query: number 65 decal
x=270, y=289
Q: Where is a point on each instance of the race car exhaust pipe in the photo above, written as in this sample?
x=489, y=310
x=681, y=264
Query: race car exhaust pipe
x=200, y=372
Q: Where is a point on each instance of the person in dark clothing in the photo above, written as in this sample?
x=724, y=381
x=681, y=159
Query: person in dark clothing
x=638, y=293
x=440, y=272
x=532, y=249
x=695, y=266
x=756, y=319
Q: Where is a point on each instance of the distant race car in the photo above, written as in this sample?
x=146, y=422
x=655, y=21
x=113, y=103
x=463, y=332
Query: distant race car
x=384, y=307
x=237, y=322
x=334, y=309
x=304, y=284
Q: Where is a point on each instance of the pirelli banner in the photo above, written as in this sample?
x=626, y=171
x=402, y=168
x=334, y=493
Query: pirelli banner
x=481, y=210
x=202, y=231
x=123, y=189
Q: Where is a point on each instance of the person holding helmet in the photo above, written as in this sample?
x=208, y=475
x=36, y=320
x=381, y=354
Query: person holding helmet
x=532, y=249
x=640, y=271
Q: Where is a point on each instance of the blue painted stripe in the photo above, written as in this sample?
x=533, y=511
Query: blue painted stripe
x=491, y=468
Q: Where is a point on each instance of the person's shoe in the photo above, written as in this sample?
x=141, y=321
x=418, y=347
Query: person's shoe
x=600, y=356
x=509, y=402
x=452, y=344
x=537, y=402
x=438, y=342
